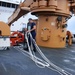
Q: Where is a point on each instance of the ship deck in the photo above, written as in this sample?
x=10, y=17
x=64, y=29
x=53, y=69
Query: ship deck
x=13, y=62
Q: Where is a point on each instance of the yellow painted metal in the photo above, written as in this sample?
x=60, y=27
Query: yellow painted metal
x=22, y=9
x=5, y=29
x=17, y=14
x=51, y=25
x=50, y=32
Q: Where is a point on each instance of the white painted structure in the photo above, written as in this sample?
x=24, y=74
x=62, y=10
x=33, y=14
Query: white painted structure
x=4, y=42
x=7, y=7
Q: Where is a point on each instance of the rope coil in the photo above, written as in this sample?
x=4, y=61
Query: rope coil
x=45, y=62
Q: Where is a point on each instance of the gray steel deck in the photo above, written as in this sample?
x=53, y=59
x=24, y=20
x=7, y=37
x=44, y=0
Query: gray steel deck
x=13, y=62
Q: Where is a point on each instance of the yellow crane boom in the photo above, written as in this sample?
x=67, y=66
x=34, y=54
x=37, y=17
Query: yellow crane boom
x=22, y=9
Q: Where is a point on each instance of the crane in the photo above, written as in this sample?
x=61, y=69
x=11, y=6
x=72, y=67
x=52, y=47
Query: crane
x=52, y=16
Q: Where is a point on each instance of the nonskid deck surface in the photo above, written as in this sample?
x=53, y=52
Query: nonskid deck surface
x=13, y=62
